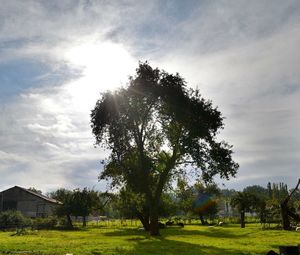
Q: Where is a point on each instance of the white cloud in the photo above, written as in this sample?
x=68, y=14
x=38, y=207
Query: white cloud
x=41, y=137
x=243, y=55
x=256, y=84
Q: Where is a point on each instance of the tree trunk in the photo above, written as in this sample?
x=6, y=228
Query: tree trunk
x=154, y=227
x=262, y=215
x=84, y=221
x=293, y=215
x=202, y=219
x=144, y=220
x=286, y=224
x=69, y=221
x=242, y=219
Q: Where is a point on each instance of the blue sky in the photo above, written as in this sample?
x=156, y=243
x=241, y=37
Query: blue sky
x=57, y=56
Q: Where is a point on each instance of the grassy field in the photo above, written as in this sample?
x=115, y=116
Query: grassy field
x=190, y=240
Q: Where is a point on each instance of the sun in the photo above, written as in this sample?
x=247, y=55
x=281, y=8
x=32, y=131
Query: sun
x=104, y=61
x=103, y=66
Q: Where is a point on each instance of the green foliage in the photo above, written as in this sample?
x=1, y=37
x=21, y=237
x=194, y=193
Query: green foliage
x=213, y=192
x=129, y=203
x=35, y=190
x=277, y=191
x=185, y=195
x=268, y=201
x=168, y=205
x=243, y=201
x=273, y=212
x=126, y=121
x=84, y=202
x=258, y=191
x=77, y=203
x=259, y=204
x=24, y=232
x=189, y=199
x=66, y=207
x=153, y=127
x=45, y=223
x=12, y=219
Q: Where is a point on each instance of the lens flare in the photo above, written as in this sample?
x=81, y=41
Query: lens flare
x=203, y=202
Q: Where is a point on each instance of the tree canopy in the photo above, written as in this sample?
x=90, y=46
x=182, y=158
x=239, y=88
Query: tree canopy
x=155, y=128
x=199, y=199
x=244, y=202
x=76, y=203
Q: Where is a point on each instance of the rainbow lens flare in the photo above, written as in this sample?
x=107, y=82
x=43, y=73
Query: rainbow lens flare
x=203, y=202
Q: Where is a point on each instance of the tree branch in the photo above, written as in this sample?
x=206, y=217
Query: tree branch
x=285, y=201
x=169, y=166
x=185, y=162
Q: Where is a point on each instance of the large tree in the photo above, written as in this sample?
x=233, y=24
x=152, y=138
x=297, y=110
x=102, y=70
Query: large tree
x=153, y=128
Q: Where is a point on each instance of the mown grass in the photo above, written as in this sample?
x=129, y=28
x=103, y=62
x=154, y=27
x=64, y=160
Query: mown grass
x=191, y=240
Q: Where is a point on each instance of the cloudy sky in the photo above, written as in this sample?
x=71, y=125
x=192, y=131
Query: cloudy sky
x=57, y=56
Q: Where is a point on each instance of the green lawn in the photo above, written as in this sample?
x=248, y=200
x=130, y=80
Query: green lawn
x=174, y=240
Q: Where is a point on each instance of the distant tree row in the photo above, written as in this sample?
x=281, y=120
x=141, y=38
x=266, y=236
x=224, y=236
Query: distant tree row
x=199, y=200
x=266, y=203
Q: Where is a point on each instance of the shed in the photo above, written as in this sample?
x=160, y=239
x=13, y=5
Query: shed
x=28, y=202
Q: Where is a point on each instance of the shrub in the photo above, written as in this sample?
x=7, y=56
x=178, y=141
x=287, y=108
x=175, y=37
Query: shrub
x=24, y=232
x=45, y=223
x=12, y=219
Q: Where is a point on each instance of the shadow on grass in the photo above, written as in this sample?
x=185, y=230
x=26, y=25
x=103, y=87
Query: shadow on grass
x=213, y=233
x=209, y=232
x=146, y=245
x=161, y=246
x=74, y=229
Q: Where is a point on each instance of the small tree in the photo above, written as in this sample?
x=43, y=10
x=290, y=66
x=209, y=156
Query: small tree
x=38, y=191
x=260, y=206
x=243, y=201
x=209, y=195
x=12, y=219
x=168, y=205
x=199, y=199
x=77, y=203
x=273, y=212
x=185, y=195
x=225, y=198
x=66, y=207
x=84, y=202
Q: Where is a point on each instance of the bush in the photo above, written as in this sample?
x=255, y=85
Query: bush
x=13, y=219
x=45, y=223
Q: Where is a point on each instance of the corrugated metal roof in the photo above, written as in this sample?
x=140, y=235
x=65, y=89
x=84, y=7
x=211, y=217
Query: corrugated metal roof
x=51, y=200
